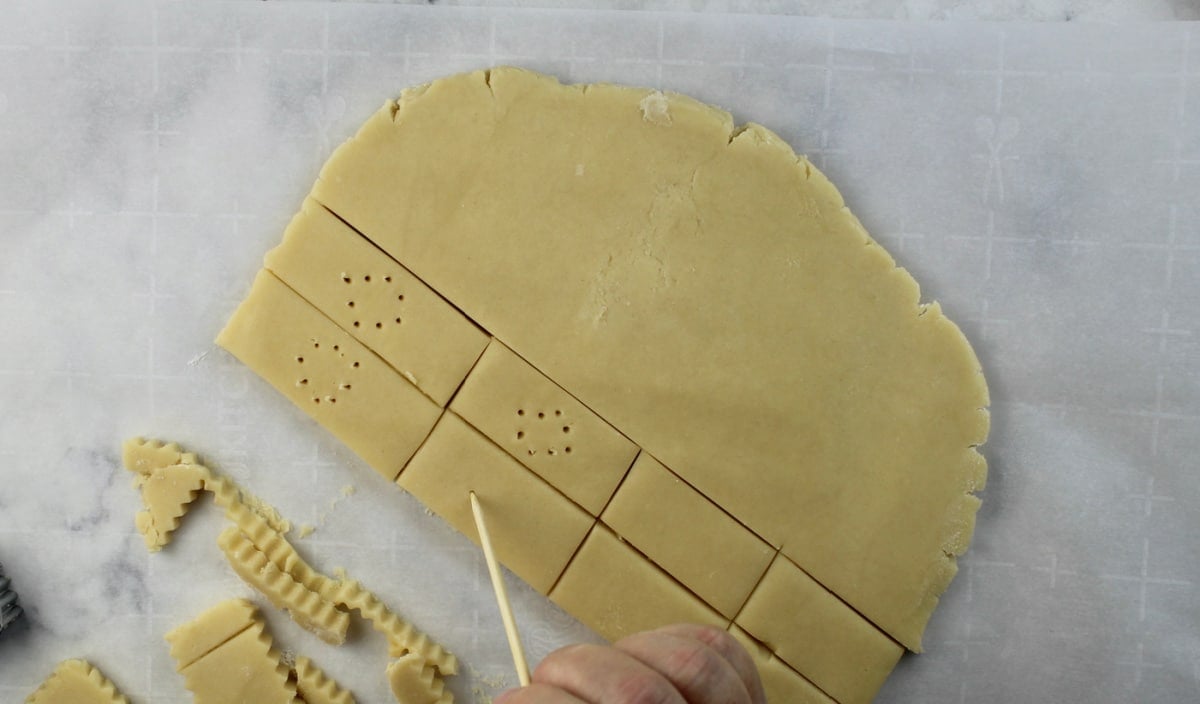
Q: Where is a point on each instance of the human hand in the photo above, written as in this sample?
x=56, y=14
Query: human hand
x=681, y=664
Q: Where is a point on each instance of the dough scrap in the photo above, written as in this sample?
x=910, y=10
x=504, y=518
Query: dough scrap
x=258, y=551
x=413, y=681
x=245, y=668
x=193, y=640
x=306, y=607
x=76, y=682
x=142, y=456
x=315, y=687
x=167, y=492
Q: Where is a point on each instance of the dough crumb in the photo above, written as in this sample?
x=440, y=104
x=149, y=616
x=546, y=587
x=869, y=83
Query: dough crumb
x=306, y=529
x=656, y=109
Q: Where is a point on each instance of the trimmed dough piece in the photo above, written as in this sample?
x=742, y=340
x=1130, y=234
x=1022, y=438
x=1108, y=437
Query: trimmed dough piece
x=688, y=536
x=414, y=681
x=315, y=687
x=544, y=427
x=193, y=640
x=782, y=684
x=705, y=291
x=819, y=636
x=167, y=492
x=76, y=682
x=331, y=376
x=142, y=456
x=617, y=592
x=377, y=301
x=534, y=529
x=306, y=607
x=243, y=670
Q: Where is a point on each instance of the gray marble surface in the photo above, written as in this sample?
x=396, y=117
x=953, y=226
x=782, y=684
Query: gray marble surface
x=1037, y=179
x=1021, y=10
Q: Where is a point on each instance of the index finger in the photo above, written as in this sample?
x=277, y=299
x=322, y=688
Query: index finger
x=728, y=648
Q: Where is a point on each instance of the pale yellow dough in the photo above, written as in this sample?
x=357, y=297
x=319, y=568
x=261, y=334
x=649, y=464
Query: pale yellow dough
x=688, y=536
x=329, y=374
x=536, y=543
x=193, y=640
x=681, y=287
x=414, y=681
x=314, y=687
x=617, y=592
x=76, y=682
x=544, y=428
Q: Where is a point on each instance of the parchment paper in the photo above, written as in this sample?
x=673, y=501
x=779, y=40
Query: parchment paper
x=1040, y=181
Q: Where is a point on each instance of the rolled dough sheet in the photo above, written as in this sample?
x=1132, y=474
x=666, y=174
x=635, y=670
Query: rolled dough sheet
x=703, y=293
x=780, y=682
x=707, y=293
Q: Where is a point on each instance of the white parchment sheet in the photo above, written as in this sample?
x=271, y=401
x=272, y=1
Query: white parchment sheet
x=1041, y=181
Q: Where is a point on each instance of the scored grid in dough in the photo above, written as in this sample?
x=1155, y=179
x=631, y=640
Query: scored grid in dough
x=346, y=187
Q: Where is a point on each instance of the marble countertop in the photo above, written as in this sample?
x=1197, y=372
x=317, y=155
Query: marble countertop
x=1038, y=179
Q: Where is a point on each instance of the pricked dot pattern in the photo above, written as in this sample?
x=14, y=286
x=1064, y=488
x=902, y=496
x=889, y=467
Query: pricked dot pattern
x=383, y=322
x=339, y=386
x=521, y=433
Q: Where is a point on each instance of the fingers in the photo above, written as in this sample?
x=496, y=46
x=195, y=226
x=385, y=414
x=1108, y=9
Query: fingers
x=699, y=672
x=728, y=648
x=537, y=693
x=603, y=675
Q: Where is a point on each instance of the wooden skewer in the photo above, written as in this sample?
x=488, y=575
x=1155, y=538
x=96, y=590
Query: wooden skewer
x=510, y=625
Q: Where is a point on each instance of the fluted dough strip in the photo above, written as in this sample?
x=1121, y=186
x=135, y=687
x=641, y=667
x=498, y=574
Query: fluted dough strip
x=315, y=687
x=402, y=636
x=305, y=606
x=76, y=682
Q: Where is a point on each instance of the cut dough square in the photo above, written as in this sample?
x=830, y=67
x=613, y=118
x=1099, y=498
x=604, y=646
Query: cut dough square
x=377, y=301
x=534, y=529
x=196, y=638
x=331, y=376
x=617, y=592
x=244, y=669
x=818, y=635
x=688, y=536
x=544, y=427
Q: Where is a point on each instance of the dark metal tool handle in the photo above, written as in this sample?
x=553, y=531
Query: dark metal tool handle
x=10, y=610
